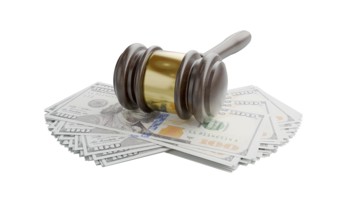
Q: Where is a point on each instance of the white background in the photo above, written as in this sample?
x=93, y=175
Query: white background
x=51, y=49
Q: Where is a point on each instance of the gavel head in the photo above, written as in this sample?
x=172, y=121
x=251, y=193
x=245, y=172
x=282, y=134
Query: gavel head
x=184, y=84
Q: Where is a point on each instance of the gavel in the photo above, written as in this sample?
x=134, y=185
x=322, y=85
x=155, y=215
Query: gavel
x=152, y=79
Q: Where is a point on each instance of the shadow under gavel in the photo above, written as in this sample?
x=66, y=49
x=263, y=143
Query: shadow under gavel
x=184, y=84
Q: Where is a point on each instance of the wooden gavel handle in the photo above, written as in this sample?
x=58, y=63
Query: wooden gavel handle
x=231, y=44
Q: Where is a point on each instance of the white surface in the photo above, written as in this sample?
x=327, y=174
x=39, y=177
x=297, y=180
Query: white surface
x=49, y=50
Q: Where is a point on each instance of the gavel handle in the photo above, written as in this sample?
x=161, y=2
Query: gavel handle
x=231, y=44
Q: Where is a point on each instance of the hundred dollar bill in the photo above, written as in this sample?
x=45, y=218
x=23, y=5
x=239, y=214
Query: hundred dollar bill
x=227, y=160
x=67, y=128
x=103, y=143
x=230, y=132
x=131, y=156
x=271, y=130
x=282, y=113
x=121, y=152
x=288, y=118
x=202, y=160
x=52, y=107
x=125, y=144
x=107, y=139
x=297, y=116
x=126, y=148
x=98, y=141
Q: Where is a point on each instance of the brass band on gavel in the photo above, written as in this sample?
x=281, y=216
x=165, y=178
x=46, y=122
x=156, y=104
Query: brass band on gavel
x=184, y=84
x=159, y=80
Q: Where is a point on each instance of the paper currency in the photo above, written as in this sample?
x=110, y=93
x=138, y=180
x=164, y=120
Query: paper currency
x=250, y=125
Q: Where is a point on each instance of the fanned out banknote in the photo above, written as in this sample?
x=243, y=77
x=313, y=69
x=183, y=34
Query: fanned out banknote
x=250, y=125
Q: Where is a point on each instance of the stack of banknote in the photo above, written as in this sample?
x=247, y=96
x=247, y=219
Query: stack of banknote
x=250, y=125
